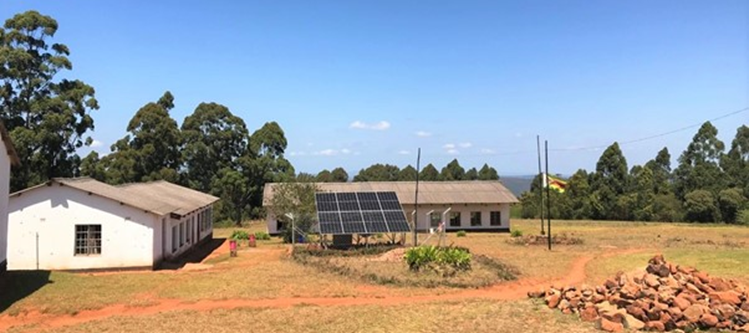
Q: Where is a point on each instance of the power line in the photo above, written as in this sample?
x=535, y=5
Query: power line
x=621, y=143
x=655, y=136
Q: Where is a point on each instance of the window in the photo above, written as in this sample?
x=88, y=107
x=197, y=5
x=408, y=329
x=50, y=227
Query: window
x=181, y=234
x=455, y=219
x=475, y=219
x=174, y=239
x=88, y=239
x=200, y=220
x=189, y=230
x=434, y=219
x=495, y=218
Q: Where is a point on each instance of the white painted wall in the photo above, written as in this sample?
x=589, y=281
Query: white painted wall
x=191, y=230
x=53, y=211
x=4, y=188
x=423, y=221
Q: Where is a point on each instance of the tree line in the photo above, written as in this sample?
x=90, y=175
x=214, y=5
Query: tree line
x=390, y=173
x=709, y=184
x=49, y=119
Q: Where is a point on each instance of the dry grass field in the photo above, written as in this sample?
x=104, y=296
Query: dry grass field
x=266, y=291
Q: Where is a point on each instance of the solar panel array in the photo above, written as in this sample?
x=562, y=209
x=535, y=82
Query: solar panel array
x=345, y=213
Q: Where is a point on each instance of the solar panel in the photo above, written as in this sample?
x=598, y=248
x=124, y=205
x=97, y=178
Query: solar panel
x=360, y=213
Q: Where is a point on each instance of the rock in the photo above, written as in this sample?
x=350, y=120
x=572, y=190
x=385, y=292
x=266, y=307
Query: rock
x=729, y=297
x=589, y=314
x=598, y=298
x=564, y=304
x=681, y=302
x=537, y=294
x=553, y=301
x=633, y=323
x=745, y=306
x=675, y=313
x=693, y=313
x=652, y=281
x=720, y=285
x=708, y=320
x=630, y=291
x=703, y=277
x=659, y=270
x=724, y=311
x=703, y=287
x=655, y=326
x=724, y=325
x=610, y=326
x=575, y=302
x=636, y=311
x=609, y=284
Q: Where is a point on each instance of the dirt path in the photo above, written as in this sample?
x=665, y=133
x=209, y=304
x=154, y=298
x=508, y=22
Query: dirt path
x=514, y=290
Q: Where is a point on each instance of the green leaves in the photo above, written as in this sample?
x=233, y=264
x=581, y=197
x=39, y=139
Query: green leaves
x=48, y=118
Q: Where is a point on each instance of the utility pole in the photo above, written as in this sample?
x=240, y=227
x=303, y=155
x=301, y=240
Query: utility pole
x=548, y=195
x=543, y=181
x=416, y=199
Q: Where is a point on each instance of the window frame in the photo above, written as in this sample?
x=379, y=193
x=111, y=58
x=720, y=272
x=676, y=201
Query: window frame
x=498, y=221
x=474, y=216
x=89, y=244
x=432, y=220
x=175, y=239
x=453, y=216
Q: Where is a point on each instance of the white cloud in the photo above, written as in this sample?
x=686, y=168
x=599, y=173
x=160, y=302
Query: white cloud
x=453, y=151
x=449, y=146
x=466, y=145
x=378, y=126
x=96, y=144
x=326, y=152
x=345, y=151
x=404, y=152
x=423, y=134
x=487, y=151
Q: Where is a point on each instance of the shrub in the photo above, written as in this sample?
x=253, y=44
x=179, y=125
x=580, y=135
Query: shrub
x=444, y=260
x=226, y=223
x=461, y=233
x=743, y=217
x=516, y=233
x=240, y=235
x=262, y=235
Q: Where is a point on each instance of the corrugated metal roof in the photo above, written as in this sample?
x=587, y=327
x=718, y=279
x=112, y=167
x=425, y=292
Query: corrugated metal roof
x=160, y=197
x=453, y=192
x=184, y=199
x=9, y=148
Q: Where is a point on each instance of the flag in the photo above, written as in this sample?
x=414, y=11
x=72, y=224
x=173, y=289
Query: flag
x=556, y=184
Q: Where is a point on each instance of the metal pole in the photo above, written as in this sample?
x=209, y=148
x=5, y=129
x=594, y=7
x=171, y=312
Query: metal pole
x=548, y=195
x=416, y=199
x=541, y=193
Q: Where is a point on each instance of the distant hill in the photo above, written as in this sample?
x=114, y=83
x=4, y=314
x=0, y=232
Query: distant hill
x=517, y=184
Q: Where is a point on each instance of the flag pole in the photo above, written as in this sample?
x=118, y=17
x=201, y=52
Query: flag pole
x=548, y=195
x=540, y=177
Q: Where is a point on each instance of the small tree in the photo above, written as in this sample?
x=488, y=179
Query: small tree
x=700, y=207
x=297, y=199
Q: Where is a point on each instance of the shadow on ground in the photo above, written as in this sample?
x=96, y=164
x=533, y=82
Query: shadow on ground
x=194, y=256
x=17, y=285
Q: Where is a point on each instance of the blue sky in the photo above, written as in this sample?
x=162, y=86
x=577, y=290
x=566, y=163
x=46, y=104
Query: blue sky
x=354, y=83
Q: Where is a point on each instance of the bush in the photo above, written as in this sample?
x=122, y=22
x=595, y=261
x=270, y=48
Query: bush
x=743, y=217
x=461, y=233
x=239, y=235
x=444, y=260
x=516, y=233
x=262, y=235
x=226, y=223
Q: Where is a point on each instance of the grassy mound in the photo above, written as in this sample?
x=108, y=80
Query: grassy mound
x=385, y=265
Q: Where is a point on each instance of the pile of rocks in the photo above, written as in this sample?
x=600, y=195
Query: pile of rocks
x=666, y=297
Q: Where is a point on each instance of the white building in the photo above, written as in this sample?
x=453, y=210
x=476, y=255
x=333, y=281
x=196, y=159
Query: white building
x=8, y=157
x=474, y=205
x=84, y=224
